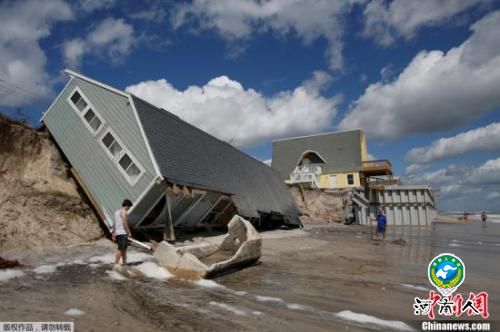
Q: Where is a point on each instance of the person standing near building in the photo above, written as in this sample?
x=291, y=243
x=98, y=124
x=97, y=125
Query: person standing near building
x=121, y=232
x=381, y=223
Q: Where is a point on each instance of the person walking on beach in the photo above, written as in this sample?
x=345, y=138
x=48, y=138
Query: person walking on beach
x=121, y=232
x=483, y=216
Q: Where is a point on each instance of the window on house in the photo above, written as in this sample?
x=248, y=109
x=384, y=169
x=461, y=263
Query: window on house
x=92, y=119
x=129, y=167
x=120, y=155
x=350, y=179
x=111, y=144
x=89, y=116
x=133, y=171
x=78, y=101
x=125, y=161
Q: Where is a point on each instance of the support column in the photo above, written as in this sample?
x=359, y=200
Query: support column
x=168, y=232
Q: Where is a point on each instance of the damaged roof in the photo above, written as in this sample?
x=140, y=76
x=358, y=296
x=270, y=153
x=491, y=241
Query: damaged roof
x=189, y=156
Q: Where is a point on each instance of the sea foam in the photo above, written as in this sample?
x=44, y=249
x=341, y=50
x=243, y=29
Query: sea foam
x=229, y=308
x=45, y=269
x=153, y=270
x=74, y=312
x=10, y=274
x=420, y=288
x=116, y=276
x=367, y=319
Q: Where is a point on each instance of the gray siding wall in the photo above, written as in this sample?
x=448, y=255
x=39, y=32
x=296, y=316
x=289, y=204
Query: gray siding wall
x=84, y=150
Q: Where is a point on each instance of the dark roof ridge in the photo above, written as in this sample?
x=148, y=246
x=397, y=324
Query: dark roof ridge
x=318, y=134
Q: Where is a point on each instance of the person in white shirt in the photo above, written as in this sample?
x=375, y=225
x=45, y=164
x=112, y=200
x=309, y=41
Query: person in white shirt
x=121, y=232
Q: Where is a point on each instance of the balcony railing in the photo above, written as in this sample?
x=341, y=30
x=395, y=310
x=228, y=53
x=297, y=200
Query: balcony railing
x=383, y=182
x=377, y=167
x=306, y=174
x=377, y=164
x=308, y=169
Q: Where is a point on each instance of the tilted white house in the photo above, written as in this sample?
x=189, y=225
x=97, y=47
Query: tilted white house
x=177, y=175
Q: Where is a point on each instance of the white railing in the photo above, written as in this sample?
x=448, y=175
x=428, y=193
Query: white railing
x=306, y=174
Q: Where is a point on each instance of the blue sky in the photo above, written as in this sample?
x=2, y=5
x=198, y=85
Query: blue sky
x=422, y=78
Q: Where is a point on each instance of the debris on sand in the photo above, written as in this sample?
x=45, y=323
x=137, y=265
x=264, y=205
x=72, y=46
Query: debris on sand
x=6, y=264
x=400, y=242
x=241, y=246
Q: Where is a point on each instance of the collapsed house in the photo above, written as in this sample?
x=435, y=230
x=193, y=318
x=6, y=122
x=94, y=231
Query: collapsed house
x=338, y=161
x=119, y=146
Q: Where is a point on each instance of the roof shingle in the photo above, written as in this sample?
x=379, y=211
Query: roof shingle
x=189, y=156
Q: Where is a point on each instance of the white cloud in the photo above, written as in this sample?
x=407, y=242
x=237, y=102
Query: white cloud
x=437, y=91
x=114, y=35
x=385, y=21
x=458, y=190
x=73, y=52
x=268, y=162
x=154, y=11
x=22, y=62
x=464, y=187
x=111, y=38
x=239, y=19
x=153, y=14
x=480, y=139
x=414, y=168
x=438, y=177
x=93, y=5
x=493, y=195
x=244, y=117
x=387, y=73
x=486, y=174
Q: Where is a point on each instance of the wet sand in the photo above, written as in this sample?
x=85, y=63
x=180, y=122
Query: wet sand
x=303, y=281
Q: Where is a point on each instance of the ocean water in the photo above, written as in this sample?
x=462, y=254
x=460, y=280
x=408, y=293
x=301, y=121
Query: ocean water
x=491, y=217
x=476, y=216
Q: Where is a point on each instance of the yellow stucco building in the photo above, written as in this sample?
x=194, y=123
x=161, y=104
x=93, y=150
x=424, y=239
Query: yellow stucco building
x=335, y=160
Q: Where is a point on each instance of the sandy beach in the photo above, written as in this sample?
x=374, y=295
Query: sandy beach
x=324, y=277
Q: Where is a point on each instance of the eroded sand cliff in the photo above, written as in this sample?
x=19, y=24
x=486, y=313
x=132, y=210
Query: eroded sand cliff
x=39, y=203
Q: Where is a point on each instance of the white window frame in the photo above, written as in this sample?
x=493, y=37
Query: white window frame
x=116, y=160
x=81, y=114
